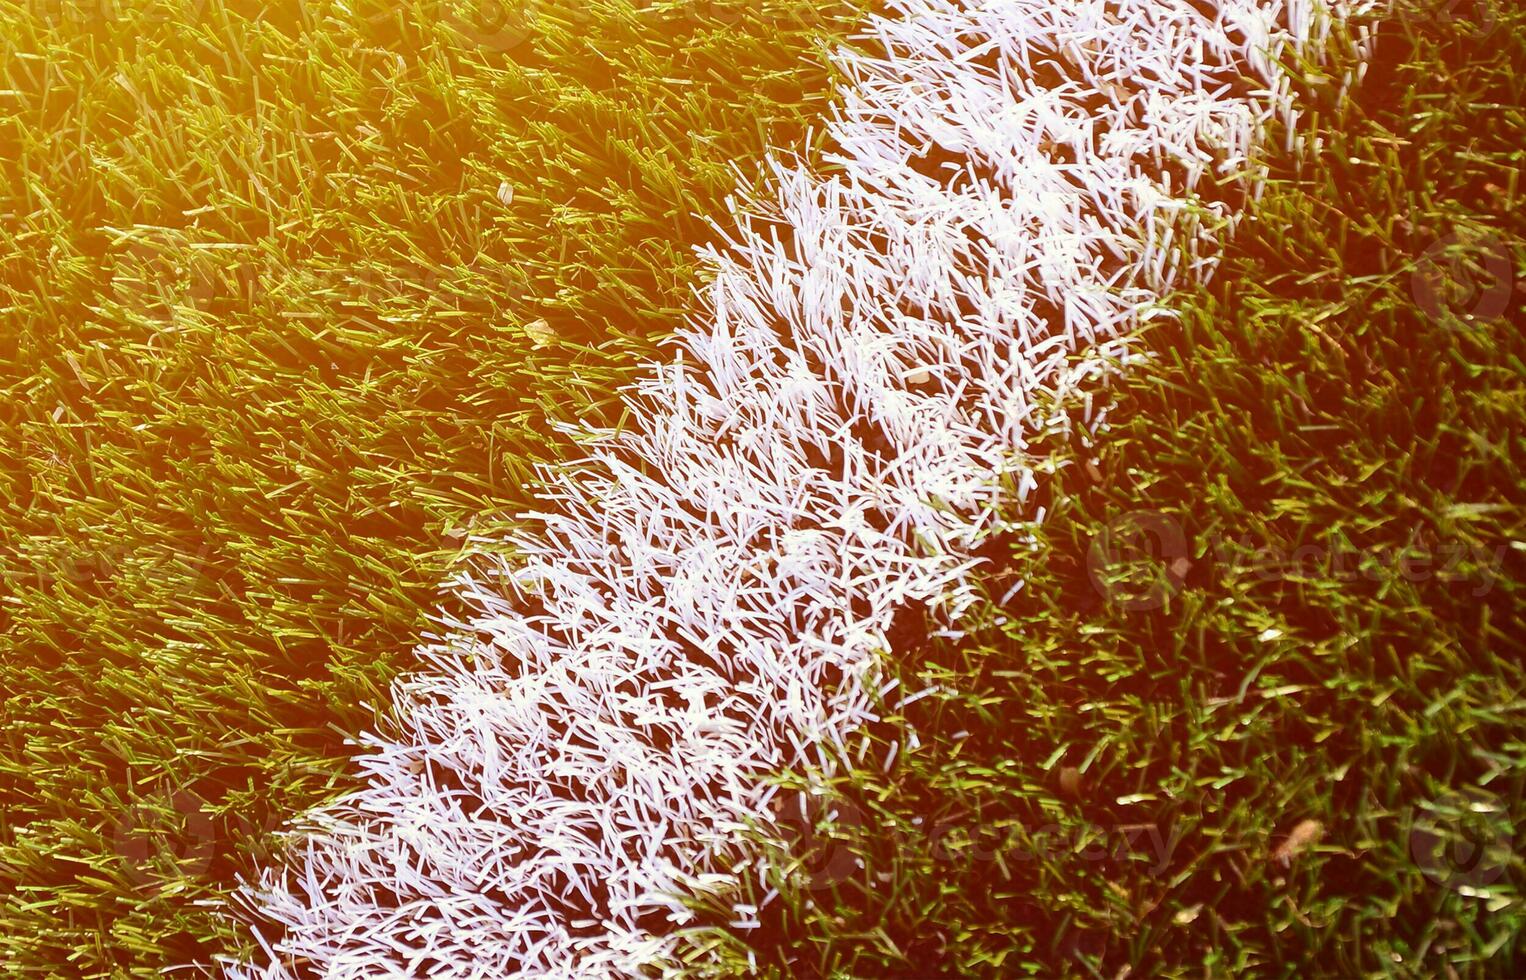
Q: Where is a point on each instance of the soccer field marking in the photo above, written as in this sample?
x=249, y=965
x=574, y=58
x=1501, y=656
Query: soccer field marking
x=701, y=600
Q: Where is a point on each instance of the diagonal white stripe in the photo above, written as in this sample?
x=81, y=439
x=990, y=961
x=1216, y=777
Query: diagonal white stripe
x=1015, y=183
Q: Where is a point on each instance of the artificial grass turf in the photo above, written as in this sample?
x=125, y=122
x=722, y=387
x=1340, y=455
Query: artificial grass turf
x=290, y=294
x=1257, y=707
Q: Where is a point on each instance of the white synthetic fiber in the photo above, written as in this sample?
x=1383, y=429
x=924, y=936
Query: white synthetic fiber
x=702, y=600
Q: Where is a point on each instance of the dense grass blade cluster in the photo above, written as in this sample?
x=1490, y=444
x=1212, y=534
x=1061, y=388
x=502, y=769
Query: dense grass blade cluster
x=700, y=601
x=290, y=292
x=1249, y=701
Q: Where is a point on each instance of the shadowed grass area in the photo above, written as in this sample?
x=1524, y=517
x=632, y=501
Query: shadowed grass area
x=1258, y=705
x=289, y=294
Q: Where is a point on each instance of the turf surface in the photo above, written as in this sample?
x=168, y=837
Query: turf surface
x=1258, y=707
x=288, y=295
